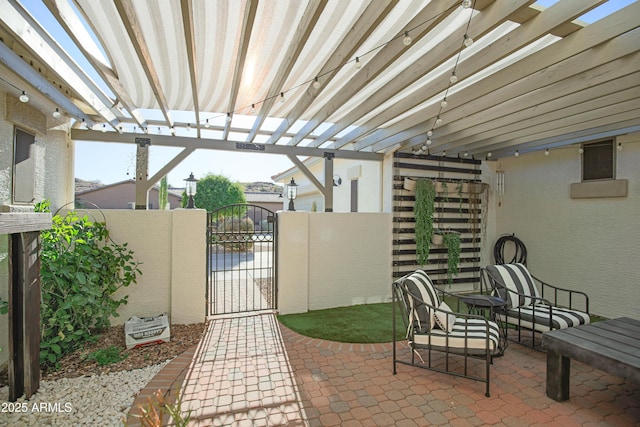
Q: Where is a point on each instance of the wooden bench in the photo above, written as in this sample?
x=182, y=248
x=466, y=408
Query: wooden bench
x=612, y=346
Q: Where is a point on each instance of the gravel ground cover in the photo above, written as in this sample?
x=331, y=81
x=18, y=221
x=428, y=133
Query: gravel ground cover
x=82, y=393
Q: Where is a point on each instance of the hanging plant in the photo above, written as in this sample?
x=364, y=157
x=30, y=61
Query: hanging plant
x=423, y=210
x=452, y=242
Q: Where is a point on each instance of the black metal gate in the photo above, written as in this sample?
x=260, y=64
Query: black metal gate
x=241, y=259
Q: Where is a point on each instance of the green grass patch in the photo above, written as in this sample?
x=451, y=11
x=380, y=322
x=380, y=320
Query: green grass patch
x=107, y=356
x=368, y=323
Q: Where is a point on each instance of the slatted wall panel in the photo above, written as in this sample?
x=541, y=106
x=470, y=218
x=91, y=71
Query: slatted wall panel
x=451, y=212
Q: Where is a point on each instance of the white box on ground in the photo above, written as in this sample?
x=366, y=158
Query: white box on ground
x=142, y=331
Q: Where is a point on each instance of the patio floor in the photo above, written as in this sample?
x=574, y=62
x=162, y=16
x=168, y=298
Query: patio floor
x=249, y=370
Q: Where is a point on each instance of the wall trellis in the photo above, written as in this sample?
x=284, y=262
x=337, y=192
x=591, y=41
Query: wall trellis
x=454, y=211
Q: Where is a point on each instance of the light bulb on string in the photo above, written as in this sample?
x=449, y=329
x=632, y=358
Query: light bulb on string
x=466, y=154
x=468, y=41
x=253, y=108
x=619, y=146
x=489, y=154
x=228, y=117
x=120, y=130
x=517, y=153
x=316, y=84
x=438, y=121
x=281, y=96
x=466, y=4
x=430, y=133
x=546, y=152
x=173, y=131
x=358, y=63
x=188, y=127
x=444, y=103
x=57, y=114
x=428, y=142
x=206, y=123
x=407, y=39
x=453, y=77
x=580, y=150
x=24, y=97
x=159, y=131
x=104, y=128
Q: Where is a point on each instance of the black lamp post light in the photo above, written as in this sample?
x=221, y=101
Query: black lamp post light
x=292, y=192
x=191, y=191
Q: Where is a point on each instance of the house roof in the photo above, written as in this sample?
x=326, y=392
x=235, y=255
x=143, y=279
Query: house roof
x=358, y=78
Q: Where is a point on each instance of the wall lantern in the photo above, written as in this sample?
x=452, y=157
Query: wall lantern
x=292, y=192
x=191, y=190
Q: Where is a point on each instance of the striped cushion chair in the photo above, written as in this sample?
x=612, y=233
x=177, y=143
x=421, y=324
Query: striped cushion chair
x=431, y=326
x=533, y=304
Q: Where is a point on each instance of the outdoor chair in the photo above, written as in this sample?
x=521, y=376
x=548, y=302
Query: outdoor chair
x=532, y=304
x=442, y=340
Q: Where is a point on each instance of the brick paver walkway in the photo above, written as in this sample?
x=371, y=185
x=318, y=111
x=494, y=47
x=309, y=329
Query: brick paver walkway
x=255, y=372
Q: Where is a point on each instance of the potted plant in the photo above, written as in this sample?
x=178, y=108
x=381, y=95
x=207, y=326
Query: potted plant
x=452, y=242
x=409, y=184
x=423, y=211
x=437, y=238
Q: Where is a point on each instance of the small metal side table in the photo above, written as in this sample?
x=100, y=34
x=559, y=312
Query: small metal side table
x=479, y=304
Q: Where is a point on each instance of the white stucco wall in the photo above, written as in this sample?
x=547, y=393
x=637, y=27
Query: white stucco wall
x=333, y=259
x=171, y=247
x=368, y=173
x=53, y=179
x=591, y=245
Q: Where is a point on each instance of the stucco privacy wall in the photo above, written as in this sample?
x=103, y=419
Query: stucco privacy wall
x=330, y=260
x=171, y=247
x=53, y=180
x=591, y=245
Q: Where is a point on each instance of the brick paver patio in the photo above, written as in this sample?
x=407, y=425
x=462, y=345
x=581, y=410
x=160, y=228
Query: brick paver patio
x=255, y=372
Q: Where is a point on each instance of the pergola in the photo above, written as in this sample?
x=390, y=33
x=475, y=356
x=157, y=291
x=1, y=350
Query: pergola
x=351, y=79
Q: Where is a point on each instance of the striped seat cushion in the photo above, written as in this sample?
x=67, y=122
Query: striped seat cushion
x=517, y=279
x=468, y=335
x=419, y=285
x=561, y=317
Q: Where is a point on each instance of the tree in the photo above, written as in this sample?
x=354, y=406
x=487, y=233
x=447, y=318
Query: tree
x=216, y=191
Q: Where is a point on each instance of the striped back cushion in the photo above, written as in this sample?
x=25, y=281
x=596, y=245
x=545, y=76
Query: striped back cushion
x=516, y=278
x=418, y=284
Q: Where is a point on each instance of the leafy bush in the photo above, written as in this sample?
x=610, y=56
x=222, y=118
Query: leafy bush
x=236, y=233
x=81, y=269
x=107, y=356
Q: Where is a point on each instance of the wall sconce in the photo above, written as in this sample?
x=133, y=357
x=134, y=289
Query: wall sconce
x=292, y=192
x=191, y=191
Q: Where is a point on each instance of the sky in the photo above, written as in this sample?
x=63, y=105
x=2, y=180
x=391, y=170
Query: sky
x=111, y=162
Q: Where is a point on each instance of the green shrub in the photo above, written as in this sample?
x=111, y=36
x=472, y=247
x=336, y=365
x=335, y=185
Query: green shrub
x=107, y=356
x=81, y=269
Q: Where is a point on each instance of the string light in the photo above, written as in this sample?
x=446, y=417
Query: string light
x=358, y=63
x=173, y=131
x=580, y=150
x=24, y=97
x=428, y=142
x=517, y=153
x=466, y=154
x=56, y=114
x=466, y=4
x=188, y=127
x=546, y=152
x=316, y=84
x=438, y=121
x=281, y=96
x=253, y=108
x=444, y=103
x=228, y=117
x=206, y=123
x=619, y=146
x=468, y=41
x=407, y=39
x=453, y=77
x=120, y=130
x=104, y=128
x=430, y=133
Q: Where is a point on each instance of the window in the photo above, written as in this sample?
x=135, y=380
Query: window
x=598, y=161
x=23, y=167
